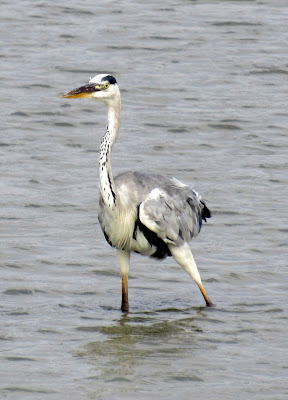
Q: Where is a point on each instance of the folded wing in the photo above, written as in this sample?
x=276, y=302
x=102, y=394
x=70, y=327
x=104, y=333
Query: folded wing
x=174, y=215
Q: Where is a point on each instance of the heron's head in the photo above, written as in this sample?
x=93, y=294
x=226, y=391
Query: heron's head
x=102, y=87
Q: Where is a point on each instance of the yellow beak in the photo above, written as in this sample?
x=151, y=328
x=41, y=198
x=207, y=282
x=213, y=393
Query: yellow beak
x=82, y=92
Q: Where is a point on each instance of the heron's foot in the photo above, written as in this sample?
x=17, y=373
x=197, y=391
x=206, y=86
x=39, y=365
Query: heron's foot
x=125, y=307
x=125, y=303
x=205, y=295
x=209, y=304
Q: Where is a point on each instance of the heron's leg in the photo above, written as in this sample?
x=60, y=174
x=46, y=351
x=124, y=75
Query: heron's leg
x=184, y=257
x=124, y=261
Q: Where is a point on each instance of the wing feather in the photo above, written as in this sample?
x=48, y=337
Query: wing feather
x=174, y=215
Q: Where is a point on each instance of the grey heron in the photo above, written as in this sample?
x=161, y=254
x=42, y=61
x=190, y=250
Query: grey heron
x=150, y=214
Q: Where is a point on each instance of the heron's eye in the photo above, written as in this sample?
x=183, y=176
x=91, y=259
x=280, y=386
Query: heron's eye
x=106, y=85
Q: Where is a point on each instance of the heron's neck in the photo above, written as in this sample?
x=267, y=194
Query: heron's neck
x=107, y=186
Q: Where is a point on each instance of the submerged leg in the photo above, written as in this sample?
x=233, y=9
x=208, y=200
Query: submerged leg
x=124, y=261
x=182, y=254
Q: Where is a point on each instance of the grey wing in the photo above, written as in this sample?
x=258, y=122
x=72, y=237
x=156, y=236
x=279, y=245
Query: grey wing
x=174, y=216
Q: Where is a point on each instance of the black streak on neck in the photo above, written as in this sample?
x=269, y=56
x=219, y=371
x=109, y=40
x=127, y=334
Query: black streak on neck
x=110, y=184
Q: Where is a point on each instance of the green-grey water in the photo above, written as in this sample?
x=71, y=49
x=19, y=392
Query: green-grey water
x=204, y=93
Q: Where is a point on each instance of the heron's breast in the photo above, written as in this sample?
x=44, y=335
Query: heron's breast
x=118, y=226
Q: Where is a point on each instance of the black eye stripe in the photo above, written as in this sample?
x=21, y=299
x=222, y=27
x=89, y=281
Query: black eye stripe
x=110, y=79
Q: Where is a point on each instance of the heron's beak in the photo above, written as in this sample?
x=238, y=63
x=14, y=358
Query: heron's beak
x=85, y=92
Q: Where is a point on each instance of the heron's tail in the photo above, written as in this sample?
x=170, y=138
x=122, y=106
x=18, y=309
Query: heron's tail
x=205, y=213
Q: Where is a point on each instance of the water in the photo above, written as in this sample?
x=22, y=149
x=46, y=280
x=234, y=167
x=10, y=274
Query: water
x=204, y=88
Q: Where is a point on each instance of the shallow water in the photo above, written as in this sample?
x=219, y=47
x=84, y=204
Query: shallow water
x=204, y=92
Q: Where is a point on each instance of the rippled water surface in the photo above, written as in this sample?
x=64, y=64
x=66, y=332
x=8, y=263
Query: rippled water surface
x=204, y=92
